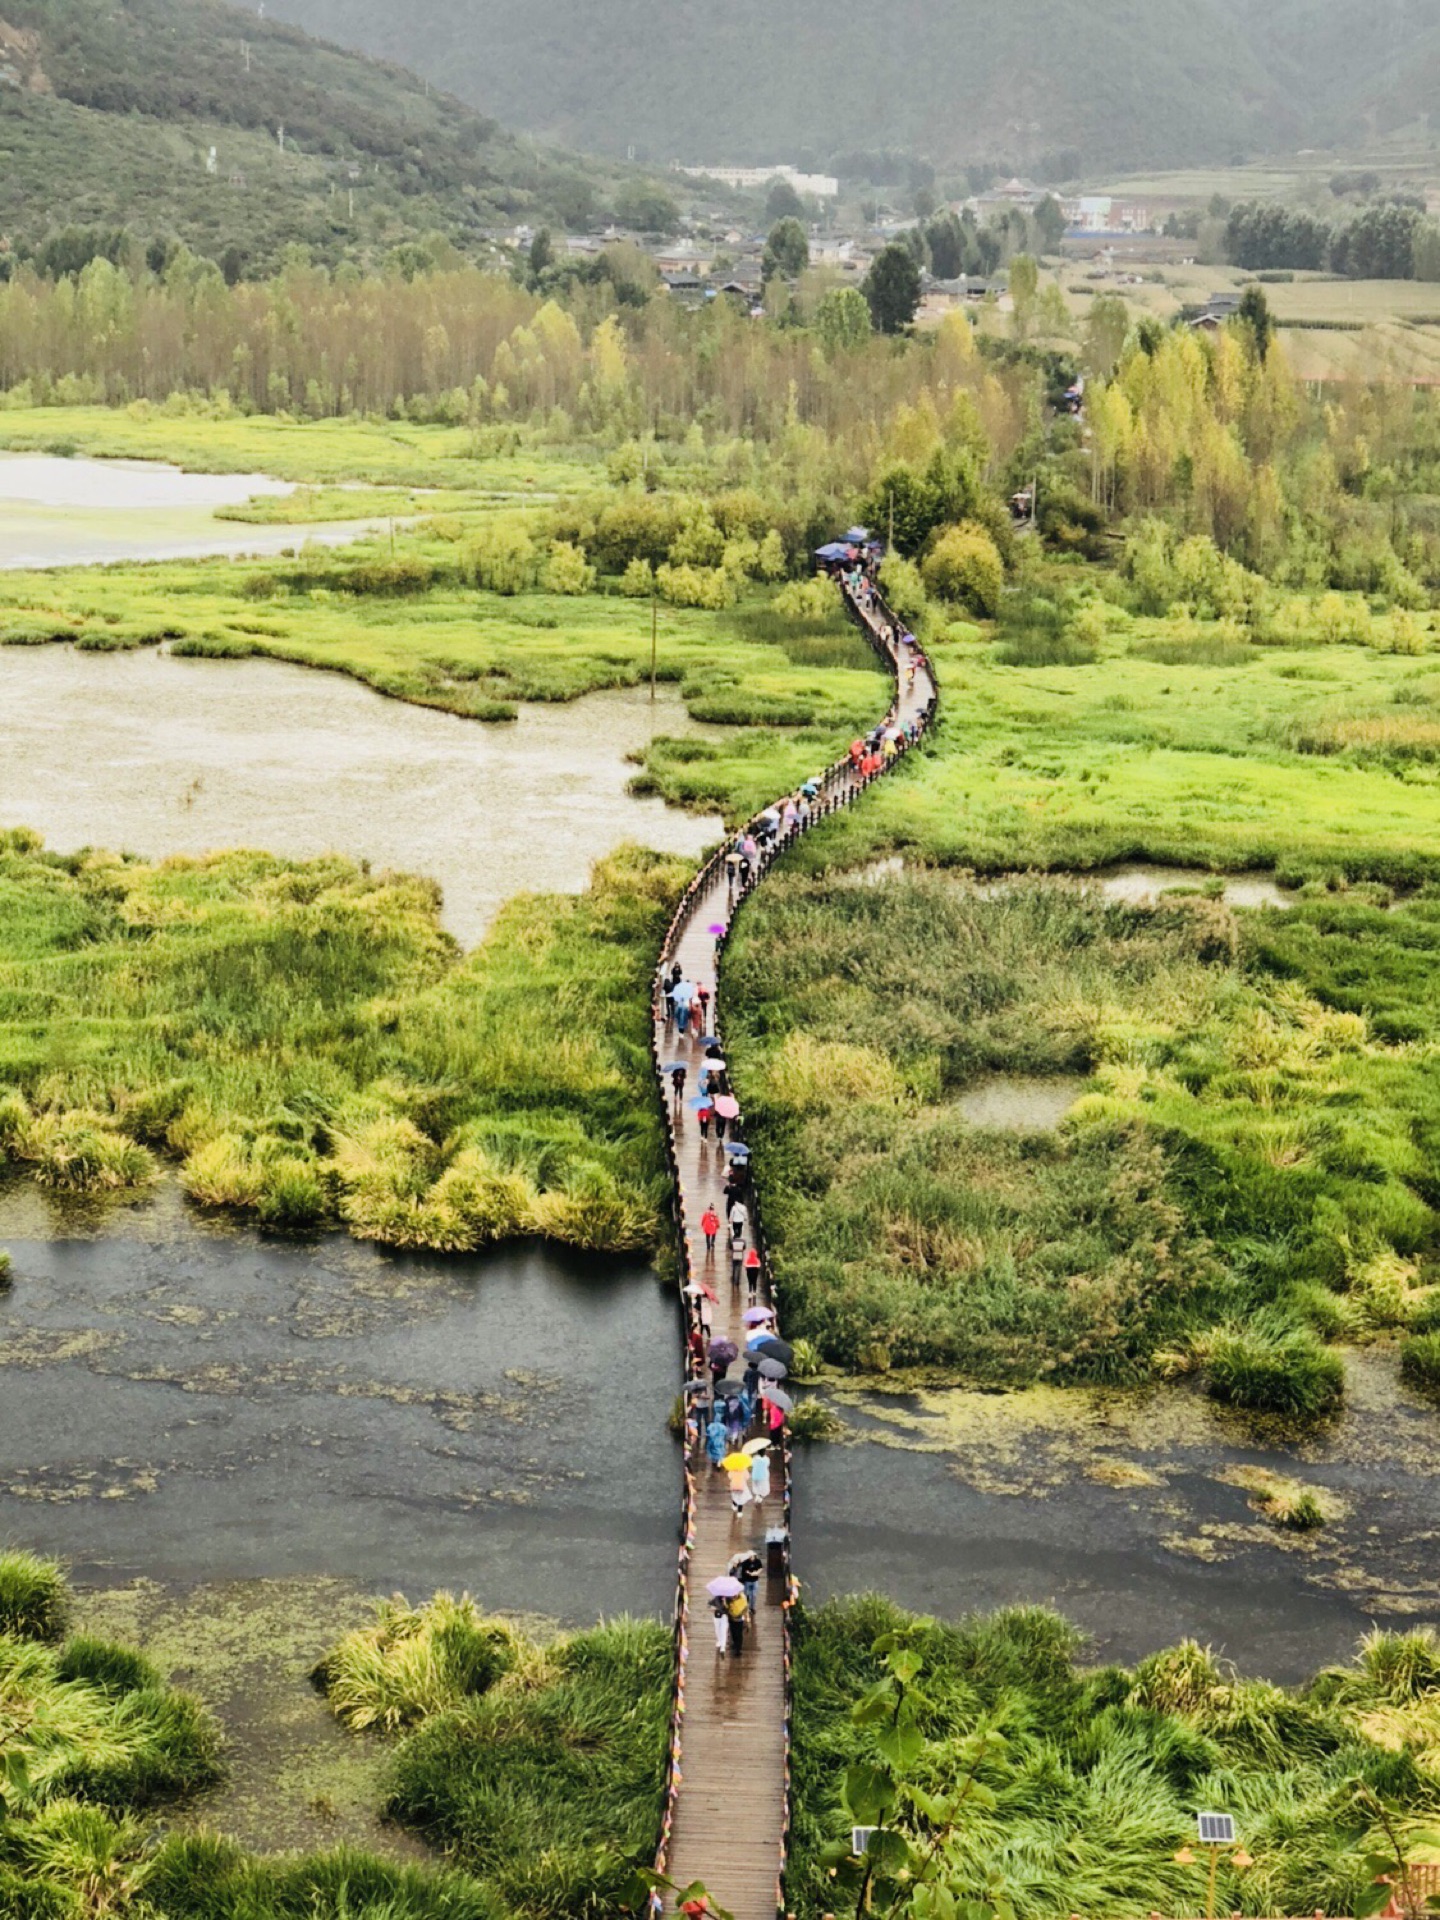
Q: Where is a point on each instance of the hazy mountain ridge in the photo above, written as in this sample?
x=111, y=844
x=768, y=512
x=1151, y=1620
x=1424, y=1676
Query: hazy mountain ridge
x=1174, y=82
x=119, y=103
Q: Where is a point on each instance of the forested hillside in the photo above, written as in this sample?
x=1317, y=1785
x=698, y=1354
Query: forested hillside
x=1171, y=82
x=112, y=108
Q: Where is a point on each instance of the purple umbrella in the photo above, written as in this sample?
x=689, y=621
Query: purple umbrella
x=757, y=1316
x=725, y=1588
x=723, y=1351
x=716, y=929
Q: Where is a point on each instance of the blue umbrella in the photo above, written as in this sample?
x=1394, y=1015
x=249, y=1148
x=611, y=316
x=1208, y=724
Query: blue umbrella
x=738, y=1148
x=671, y=1065
x=698, y=1100
x=709, y=1040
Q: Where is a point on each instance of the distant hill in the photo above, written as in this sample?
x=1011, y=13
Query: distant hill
x=110, y=109
x=1125, y=84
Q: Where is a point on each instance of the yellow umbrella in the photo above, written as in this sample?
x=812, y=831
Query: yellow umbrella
x=735, y=1462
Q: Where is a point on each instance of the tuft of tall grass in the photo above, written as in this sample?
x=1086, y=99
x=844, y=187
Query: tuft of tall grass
x=34, y=1596
x=1272, y=1368
x=414, y=1662
x=1420, y=1361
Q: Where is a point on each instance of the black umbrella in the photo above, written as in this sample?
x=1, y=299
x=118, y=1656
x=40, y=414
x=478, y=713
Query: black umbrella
x=773, y=1348
x=773, y=1369
x=723, y=1351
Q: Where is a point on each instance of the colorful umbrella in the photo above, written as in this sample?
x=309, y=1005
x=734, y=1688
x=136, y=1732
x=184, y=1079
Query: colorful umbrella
x=757, y=1316
x=735, y=1462
x=727, y=1106
x=716, y=929
x=726, y=1587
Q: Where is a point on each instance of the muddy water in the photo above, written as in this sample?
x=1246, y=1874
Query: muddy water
x=145, y=752
x=188, y=1404
x=1020, y=1103
x=1135, y=1515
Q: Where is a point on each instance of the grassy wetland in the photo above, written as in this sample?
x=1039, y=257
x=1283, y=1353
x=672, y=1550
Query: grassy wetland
x=1012, y=1133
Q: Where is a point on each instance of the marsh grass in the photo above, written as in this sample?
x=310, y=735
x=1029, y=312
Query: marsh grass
x=414, y=1662
x=1245, y=1176
x=1102, y=1772
x=306, y=1041
x=34, y=1598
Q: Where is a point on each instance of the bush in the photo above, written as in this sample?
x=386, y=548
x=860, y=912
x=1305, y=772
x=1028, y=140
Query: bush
x=105, y=1664
x=1273, y=1368
x=965, y=568
x=390, y=579
x=685, y=586
x=34, y=1598
x=904, y=590
x=502, y=559
x=638, y=580
x=808, y=602
x=567, y=570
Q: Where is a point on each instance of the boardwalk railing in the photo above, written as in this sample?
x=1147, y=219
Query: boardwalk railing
x=912, y=708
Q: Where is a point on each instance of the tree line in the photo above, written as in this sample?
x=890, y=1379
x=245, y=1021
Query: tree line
x=1389, y=241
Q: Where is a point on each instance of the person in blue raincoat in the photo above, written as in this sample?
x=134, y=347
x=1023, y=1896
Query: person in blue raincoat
x=716, y=1441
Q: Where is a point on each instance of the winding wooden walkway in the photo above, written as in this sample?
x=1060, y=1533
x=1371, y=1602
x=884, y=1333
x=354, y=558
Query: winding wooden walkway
x=727, y=1806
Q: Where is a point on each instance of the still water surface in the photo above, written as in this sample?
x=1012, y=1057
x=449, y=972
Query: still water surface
x=146, y=753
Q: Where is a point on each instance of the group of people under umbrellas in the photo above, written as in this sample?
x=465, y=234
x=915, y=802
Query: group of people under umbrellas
x=739, y=1399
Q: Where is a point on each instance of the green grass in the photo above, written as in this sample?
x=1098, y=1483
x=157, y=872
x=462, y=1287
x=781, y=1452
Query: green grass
x=34, y=1601
x=1096, y=1785
x=1241, y=1142
x=307, y=1043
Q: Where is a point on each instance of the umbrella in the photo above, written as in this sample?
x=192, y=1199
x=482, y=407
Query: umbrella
x=676, y=1066
x=772, y=1369
x=726, y=1587
x=736, y=1147
x=709, y=1039
x=723, y=1350
x=777, y=1398
x=757, y=1316
x=771, y=1347
x=858, y=533
x=695, y=1386
x=683, y=990
x=735, y=1462
x=810, y=789
x=716, y=929
x=727, y=1106
x=698, y=1100
x=752, y=1447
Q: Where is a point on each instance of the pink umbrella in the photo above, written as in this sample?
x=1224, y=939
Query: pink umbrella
x=717, y=930
x=727, y=1106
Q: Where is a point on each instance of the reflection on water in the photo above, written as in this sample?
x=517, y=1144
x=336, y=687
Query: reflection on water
x=128, y=486
x=150, y=754
x=1140, y=886
x=1133, y=1515
x=187, y=1404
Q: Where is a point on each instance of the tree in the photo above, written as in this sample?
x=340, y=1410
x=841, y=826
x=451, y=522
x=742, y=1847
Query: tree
x=842, y=320
x=1024, y=284
x=1106, y=326
x=782, y=202
x=787, y=251
x=542, y=253
x=946, y=240
x=964, y=566
x=1049, y=223
x=892, y=289
x=646, y=209
x=1254, y=314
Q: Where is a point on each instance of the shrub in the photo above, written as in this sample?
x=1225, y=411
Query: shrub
x=813, y=1420
x=390, y=579
x=808, y=602
x=638, y=580
x=1274, y=1368
x=965, y=568
x=685, y=586
x=567, y=570
x=904, y=589
x=502, y=559
x=4, y=1268
x=105, y=1664
x=34, y=1598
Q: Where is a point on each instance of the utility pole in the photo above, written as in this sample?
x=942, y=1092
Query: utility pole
x=654, y=640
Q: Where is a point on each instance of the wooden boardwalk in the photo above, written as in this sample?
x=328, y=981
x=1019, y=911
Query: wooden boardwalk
x=727, y=1807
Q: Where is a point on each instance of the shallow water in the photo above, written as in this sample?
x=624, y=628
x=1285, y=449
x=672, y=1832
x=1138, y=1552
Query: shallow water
x=147, y=753
x=1019, y=1103
x=1142, y=886
x=65, y=513
x=190, y=1404
x=1126, y=1512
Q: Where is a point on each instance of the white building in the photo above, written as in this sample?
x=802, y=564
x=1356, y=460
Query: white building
x=820, y=186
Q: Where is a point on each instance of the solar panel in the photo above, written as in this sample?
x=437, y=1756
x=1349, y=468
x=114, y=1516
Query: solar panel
x=1216, y=1829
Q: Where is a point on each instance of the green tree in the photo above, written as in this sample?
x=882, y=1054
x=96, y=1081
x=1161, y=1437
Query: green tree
x=1106, y=325
x=1254, y=314
x=842, y=320
x=1049, y=220
x=542, y=253
x=787, y=251
x=646, y=209
x=1024, y=285
x=964, y=566
x=892, y=289
x=782, y=202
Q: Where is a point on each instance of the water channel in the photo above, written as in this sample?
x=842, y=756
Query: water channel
x=264, y=1430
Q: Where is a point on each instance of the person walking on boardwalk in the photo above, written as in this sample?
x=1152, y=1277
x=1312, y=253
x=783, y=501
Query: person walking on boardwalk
x=737, y=1263
x=722, y=1625
x=702, y=1003
x=760, y=1478
x=705, y=1114
x=737, y=1612
x=752, y=1276
x=677, y=1085
x=710, y=1226
x=747, y=1567
x=738, y=1219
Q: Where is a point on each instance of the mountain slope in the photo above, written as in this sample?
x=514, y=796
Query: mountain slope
x=1129, y=84
x=113, y=107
